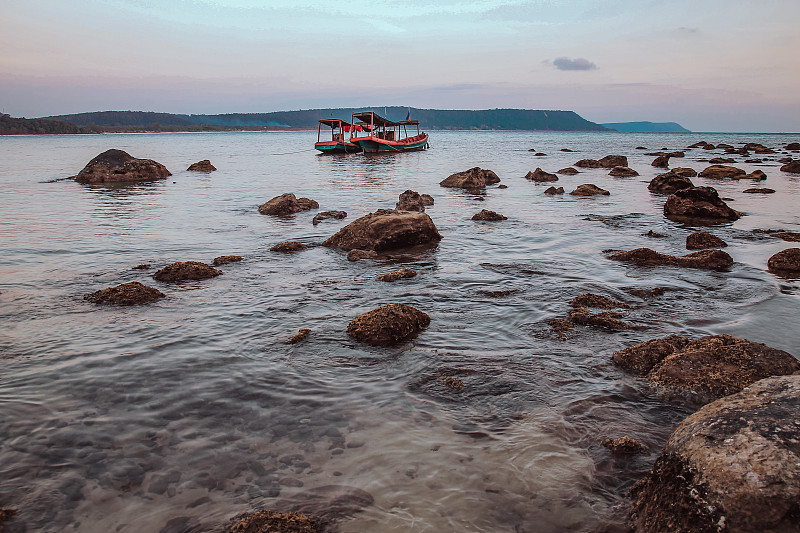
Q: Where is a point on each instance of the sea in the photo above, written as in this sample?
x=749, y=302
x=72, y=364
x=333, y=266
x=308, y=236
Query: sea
x=178, y=415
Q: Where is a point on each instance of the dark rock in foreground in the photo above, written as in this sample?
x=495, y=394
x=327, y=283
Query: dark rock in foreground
x=133, y=293
x=286, y=204
x=388, y=325
x=403, y=273
x=785, y=263
x=274, y=522
x=540, y=175
x=589, y=189
x=472, y=179
x=226, y=259
x=554, y=190
x=705, y=259
x=732, y=466
x=669, y=182
x=202, y=166
x=186, y=270
x=386, y=229
x=288, y=247
x=338, y=215
x=489, y=216
x=118, y=166
x=623, y=172
x=641, y=358
x=793, y=167
x=625, y=446
x=699, y=205
x=700, y=240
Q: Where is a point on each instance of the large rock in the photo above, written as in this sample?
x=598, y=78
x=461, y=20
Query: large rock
x=721, y=172
x=785, y=263
x=133, y=293
x=386, y=229
x=186, y=270
x=388, y=325
x=589, y=163
x=611, y=161
x=472, y=179
x=708, y=367
x=792, y=167
x=118, y=166
x=698, y=205
x=792, y=146
x=589, y=189
x=540, y=175
x=202, y=166
x=700, y=240
x=286, y=204
x=410, y=201
x=669, y=182
x=732, y=466
x=704, y=259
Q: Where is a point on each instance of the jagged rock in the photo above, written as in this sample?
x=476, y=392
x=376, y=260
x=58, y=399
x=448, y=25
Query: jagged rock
x=489, y=216
x=698, y=205
x=133, y=293
x=588, y=163
x=569, y=171
x=358, y=255
x=705, y=259
x=226, y=259
x=338, y=215
x=386, y=229
x=540, y=175
x=473, y=179
x=286, y=204
x=623, y=172
x=588, y=189
x=669, y=182
x=202, y=166
x=720, y=172
x=792, y=167
x=388, y=325
x=403, y=273
x=301, y=334
x=118, y=166
x=186, y=270
x=661, y=161
x=701, y=240
x=785, y=263
x=625, y=446
x=288, y=247
x=554, y=190
x=611, y=161
x=410, y=201
x=759, y=190
x=732, y=466
x=596, y=300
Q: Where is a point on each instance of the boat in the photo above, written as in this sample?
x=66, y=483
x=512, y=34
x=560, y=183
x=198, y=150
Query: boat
x=337, y=144
x=383, y=135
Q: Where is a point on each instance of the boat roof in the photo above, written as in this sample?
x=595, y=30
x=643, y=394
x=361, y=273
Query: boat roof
x=334, y=122
x=368, y=117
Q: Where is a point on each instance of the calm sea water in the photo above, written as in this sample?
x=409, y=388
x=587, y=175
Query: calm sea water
x=178, y=415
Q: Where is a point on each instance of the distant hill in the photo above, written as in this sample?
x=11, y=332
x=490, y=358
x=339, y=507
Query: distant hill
x=647, y=127
x=489, y=119
x=35, y=126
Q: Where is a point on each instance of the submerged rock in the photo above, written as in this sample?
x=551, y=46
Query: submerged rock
x=118, y=166
x=133, y=293
x=554, y=190
x=611, y=161
x=288, y=247
x=589, y=189
x=226, y=259
x=388, y=325
x=273, y=522
x=403, y=273
x=699, y=205
x=721, y=160
x=704, y=259
x=623, y=172
x=759, y=190
x=472, y=179
x=596, y=300
x=301, y=334
x=286, y=204
x=701, y=239
x=721, y=172
x=792, y=146
x=785, y=263
x=338, y=215
x=732, y=466
x=202, y=166
x=386, y=229
x=540, y=175
x=669, y=182
x=489, y=216
x=358, y=255
x=604, y=319
x=186, y=270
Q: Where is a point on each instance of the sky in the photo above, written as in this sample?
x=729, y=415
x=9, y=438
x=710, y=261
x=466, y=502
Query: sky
x=714, y=65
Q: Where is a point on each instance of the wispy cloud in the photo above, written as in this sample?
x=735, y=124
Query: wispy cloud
x=579, y=63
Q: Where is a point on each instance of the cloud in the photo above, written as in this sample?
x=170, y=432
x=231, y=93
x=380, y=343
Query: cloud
x=579, y=63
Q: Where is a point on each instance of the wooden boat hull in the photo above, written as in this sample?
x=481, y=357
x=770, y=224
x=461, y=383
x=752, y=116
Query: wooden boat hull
x=337, y=147
x=373, y=144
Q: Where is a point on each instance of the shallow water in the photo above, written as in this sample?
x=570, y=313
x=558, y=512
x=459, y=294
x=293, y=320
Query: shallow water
x=181, y=414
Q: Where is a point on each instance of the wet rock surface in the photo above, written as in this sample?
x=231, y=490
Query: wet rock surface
x=625, y=446
x=669, y=182
x=388, y=325
x=403, y=273
x=358, y=255
x=226, y=259
x=599, y=301
x=732, y=466
x=286, y=204
x=274, y=522
x=489, y=216
x=337, y=215
x=568, y=171
x=288, y=247
x=540, y=175
x=588, y=163
x=410, y=201
x=721, y=172
x=202, y=166
x=785, y=263
x=386, y=229
x=641, y=358
x=473, y=179
x=581, y=314
x=623, y=172
x=759, y=190
x=133, y=293
x=301, y=334
x=118, y=166
x=589, y=189
x=792, y=167
x=700, y=205
x=661, y=161
x=705, y=259
x=611, y=161
x=781, y=234
x=186, y=270
x=554, y=190
x=685, y=172
x=700, y=240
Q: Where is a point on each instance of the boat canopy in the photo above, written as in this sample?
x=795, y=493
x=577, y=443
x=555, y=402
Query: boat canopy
x=334, y=122
x=370, y=117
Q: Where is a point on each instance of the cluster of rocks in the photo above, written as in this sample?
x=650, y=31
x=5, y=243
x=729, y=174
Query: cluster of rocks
x=119, y=167
x=704, y=259
x=581, y=314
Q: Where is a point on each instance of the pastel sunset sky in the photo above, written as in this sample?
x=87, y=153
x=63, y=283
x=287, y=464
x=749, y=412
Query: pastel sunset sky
x=714, y=65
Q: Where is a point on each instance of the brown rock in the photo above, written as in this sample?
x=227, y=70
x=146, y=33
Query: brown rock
x=117, y=166
x=792, y=146
x=133, y=293
x=611, y=161
x=569, y=171
x=598, y=301
x=588, y=189
x=705, y=259
x=338, y=215
x=661, y=161
x=755, y=175
x=286, y=204
x=226, y=259
x=700, y=240
x=273, y=522
x=489, y=216
x=301, y=334
x=540, y=154
x=654, y=235
x=410, y=201
x=685, y=172
x=143, y=266
x=588, y=163
x=785, y=263
x=605, y=319
x=781, y=234
x=202, y=166
x=641, y=358
x=566, y=150
x=540, y=175
x=623, y=172
x=403, y=273
x=427, y=199
x=759, y=190
x=792, y=167
x=669, y=182
x=700, y=144
x=472, y=179
x=698, y=205
x=625, y=446
x=186, y=270
x=554, y=190
x=721, y=160
x=288, y=247
x=357, y=255
x=388, y=325
x=502, y=186
x=386, y=229
x=720, y=172
x=709, y=146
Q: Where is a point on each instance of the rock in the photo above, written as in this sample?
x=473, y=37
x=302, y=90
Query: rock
x=133, y=293
x=569, y=171
x=286, y=204
x=540, y=154
x=357, y=255
x=785, y=263
x=540, y=175
x=202, y=166
x=705, y=259
x=274, y=522
x=625, y=446
x=588, y=189
x=288, y=247
x=792, y=167
x=554, y=190
x=792, y=146
x=623, y=172
x=588, y=163
x=427, y=199
x=117, y=166
x=472, y=179
x=410, y=201
x=661, y=161
x=698, y=205
x=755, y=175
x=226, y=259
x=598, y=301
x=654, y=235
x=701, y=240
x=669, y=182
x=186, y=270
x=611, y=161
x=566, y=150
x=641, y=358
x=403, y=273
x=329, y=502
x=709, y=146
x=721, y=160
x=685, y=172
x=785, y=160
x=502, y=186
x=759, y=190
x=700, y=144
x=781, y=234
x=732, y=466
x=388, y=325
x=338, y=215
x=386, y=229
x=641, y=148
x=143, y=266
x=758, y=148
x=605, y=319
x=301, y=334
x=489, y=216
x=720, y=172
